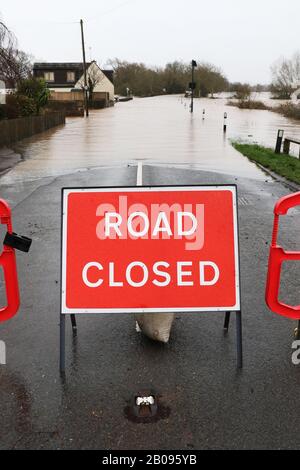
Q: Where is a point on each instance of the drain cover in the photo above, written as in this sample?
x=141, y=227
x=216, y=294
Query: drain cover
x=144, y=405
x=145, y=401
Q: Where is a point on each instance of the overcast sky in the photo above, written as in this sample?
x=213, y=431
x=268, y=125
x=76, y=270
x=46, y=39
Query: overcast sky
x=242, y=37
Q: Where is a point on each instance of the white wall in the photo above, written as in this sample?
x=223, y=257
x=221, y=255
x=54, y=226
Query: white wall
x=295, y=95
x=104, y=84
x=2, y=92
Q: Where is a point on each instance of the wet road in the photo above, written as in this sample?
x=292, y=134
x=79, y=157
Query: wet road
x=211, y=405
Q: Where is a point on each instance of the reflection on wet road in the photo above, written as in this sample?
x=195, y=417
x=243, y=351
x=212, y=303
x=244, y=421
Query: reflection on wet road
x=156, y=130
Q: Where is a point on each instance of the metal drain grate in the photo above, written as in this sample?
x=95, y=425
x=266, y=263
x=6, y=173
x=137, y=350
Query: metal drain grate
x=145, y=405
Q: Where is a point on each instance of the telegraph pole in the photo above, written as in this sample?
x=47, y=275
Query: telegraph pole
x=86, y=101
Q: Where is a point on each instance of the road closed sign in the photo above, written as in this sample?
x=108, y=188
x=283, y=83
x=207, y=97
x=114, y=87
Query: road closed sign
x=150, y=249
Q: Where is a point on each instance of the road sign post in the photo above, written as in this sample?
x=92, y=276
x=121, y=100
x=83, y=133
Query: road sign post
x=149, y=250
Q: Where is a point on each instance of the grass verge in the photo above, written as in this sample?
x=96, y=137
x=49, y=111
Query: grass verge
x=283, y=165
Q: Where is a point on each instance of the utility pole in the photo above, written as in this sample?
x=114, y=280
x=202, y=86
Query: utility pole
x=86, y=101
x=193, y=85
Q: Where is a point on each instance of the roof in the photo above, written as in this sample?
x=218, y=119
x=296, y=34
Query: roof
x=70, y=66
x=109, y=74
x=59, y=65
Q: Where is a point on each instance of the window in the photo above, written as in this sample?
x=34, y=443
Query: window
x=70, y=76
x=49, y=76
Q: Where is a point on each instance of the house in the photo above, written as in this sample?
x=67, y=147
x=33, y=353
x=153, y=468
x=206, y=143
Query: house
x=6, y=84
x=68, y=76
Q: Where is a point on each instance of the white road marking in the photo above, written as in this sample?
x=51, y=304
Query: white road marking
x=139, y=176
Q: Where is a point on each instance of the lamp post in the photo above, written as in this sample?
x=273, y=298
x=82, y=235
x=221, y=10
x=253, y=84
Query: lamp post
x=193, y=84
x=86, y=100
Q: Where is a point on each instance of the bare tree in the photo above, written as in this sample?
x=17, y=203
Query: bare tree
x=14, y=64
x=7, y=38
x=94, y=77
x=286, y=76
x=7, y=42
x=242, y=91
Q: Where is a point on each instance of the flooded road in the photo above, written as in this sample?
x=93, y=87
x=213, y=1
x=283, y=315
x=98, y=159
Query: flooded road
x=157, y=130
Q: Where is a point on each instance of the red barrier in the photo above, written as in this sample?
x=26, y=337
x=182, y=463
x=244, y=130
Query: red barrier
x=277, y=257
x=9, y=265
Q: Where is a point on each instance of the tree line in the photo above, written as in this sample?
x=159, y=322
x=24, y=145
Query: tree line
x=174, y=78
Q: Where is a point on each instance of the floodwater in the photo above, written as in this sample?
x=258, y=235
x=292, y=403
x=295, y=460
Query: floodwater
x=158, y=130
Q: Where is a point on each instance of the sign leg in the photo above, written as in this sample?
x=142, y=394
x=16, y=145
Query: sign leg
x=73, y=321
x=62, y=348
x=297, y=331
x=227, y=321
x=239, y=340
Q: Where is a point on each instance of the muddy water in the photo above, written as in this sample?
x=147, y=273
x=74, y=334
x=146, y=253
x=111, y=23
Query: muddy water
x=157, y=130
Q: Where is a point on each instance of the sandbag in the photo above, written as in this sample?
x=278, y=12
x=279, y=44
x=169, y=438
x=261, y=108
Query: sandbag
x=156, y=326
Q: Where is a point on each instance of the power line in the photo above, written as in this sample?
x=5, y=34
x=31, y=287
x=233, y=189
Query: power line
x=105, y=12
x=117, y=7
x=65, y=22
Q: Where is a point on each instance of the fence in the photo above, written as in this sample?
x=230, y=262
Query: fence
x=77, y=96
x=72, y=102
x=12, y=130
x=66, y=96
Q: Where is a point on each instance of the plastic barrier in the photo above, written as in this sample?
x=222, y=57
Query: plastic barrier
x=9, y=266
x=277, y=257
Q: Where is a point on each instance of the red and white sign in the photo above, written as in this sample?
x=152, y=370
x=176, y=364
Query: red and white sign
x=150, y=249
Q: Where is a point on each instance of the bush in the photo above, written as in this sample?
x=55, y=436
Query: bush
x=243, y=92
x=26, y=106
x=17, y=106
x=289, y=110
x=249, y=104
x=35, y=89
